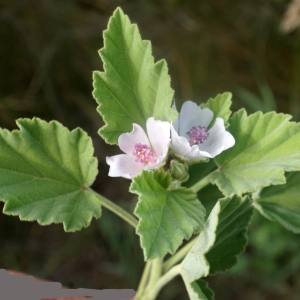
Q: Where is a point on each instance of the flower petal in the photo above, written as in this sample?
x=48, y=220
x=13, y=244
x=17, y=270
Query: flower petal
x=219, y=139
x=123, y=165
x=127, y=141
x=192, y=115
x=159, y=135
x=181, y=147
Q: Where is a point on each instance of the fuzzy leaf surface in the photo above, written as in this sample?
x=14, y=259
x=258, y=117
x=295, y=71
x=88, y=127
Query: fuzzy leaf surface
x=220, y=106
x=221, y=240
x=132, y=87
x=266, y=146
x=164, y=211
x=282, y=203
x=44, y=173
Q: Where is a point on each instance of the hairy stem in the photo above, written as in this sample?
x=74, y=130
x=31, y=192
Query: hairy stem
x=178, y=256
x=156, y=269
x=200, y=184
x=116, y=209
x=144, y=279
x=162, y=281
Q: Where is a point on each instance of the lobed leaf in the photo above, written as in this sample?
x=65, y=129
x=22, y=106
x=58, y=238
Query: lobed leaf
x=44, y=173
x=282, y=203
x=266, y=146
x=133, y=87
x=167, y=216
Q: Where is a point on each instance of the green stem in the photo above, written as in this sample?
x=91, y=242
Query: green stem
x=178, y=256
x=155, y=272
x=152, y=294
x=144, y=279
x=200, y=184
x=116, y=209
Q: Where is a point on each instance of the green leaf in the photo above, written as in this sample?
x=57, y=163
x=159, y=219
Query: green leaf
x=210, y=194
x=132, y=88
x=282, y=203
x=199, y=290
x=220, y=106
x=266, y=146
x=164, y=211
x=44, y=173
x=231, y=233
x=221, y=240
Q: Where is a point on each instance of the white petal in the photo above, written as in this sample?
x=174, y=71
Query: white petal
x=159, y=135
x=219, y=139
x=123, y=165
x=128, y=140
x=182, y=147
x=192, y=115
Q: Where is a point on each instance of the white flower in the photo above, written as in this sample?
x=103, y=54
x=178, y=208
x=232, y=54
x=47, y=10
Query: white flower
x=191, y=138
x=143, y=152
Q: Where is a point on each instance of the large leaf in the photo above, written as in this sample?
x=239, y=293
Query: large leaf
x=221, y=240
x=44, y=173
x=164, y=211
x=220, y=105
x=132, y=88
x=282, y=203
x=266, y=146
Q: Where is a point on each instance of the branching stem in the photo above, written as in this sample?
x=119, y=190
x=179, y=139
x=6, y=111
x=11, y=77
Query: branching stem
x=116, y=209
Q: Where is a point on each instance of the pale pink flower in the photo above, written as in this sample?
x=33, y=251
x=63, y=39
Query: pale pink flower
x=142, y=151
x=191, y=138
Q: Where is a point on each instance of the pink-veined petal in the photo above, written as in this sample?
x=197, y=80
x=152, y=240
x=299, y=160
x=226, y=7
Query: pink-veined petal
x=159, y=135
x=181, y=147
x=192, y=115
x=123, y=165
x=127, y=141
x=219, y=139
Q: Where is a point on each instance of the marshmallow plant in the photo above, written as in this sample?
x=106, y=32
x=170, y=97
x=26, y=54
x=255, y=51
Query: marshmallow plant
x=168, y=158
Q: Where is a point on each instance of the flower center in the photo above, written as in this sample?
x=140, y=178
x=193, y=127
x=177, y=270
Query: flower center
x=197, y=135
x=144, y=154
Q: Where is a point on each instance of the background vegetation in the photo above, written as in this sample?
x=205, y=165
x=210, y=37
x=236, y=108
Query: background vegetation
x=48, y=52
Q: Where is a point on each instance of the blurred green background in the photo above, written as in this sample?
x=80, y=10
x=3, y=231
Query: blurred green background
x=48, y=52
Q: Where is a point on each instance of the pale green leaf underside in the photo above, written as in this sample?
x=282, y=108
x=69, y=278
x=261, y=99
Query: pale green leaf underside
x=166, y=216
x=266, y=146
x=221, y=240
x=282, y=203
x=220, y=106
x=132, y=88
x=44, y=172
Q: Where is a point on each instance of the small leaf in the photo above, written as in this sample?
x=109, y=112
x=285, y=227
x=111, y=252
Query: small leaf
x=220, y=106
x=44, y=173
x=221, y=240
x=132, y=88
x=166, y=216
x=282, y=203
x=199, y=290
x=266, y=146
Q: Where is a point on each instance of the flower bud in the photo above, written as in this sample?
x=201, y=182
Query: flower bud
x=179, y=171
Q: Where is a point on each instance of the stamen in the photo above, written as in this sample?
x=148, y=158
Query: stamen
x=197, y=135
x=144, y=154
